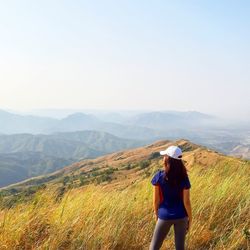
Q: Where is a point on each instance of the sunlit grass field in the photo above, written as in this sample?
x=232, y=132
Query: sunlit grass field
x=97, y=217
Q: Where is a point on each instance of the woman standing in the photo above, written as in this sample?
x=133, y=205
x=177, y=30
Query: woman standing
x=171, y=200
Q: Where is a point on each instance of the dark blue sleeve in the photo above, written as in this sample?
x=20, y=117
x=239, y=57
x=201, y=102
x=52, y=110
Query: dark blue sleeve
x=186, y=183
x=155, y=179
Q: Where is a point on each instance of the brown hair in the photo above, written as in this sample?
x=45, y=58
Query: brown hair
x=177, y=172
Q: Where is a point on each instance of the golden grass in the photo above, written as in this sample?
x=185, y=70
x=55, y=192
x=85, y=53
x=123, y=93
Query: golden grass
x=93, y=218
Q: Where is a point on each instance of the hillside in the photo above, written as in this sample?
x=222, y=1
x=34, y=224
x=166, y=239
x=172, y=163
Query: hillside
x=106, y=203
x=25, y=155
x=70, y=144
x=15, y=167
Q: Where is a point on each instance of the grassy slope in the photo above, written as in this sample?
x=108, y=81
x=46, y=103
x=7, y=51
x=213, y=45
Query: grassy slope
x=118, y=215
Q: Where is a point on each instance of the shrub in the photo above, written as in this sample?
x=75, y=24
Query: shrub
x=154, y=155
x=144, y=164
x=59, y=193
x=65, y=180
x=109, y=171
x=83, y=181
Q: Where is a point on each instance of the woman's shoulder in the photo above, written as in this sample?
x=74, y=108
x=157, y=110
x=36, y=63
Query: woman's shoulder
x=157, y=177
x=186, y=182
x=160, y=173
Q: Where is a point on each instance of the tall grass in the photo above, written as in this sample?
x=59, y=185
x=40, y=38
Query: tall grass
x=93, y=218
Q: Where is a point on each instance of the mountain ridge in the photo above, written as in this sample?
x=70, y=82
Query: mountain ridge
x=45, y=151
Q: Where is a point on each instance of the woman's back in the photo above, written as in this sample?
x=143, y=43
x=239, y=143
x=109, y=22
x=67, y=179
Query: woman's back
x=171, y=196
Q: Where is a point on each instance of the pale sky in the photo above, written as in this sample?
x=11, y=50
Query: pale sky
x=155, y=55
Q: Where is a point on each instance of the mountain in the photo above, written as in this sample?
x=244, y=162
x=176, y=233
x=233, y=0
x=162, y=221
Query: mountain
x=137, y=127
x=13, y=123
x=242, y=151
x=15, y=167
x=200, y=128
x=80, y=121
x=77, y=121
x=62, y=210
x=114, y=117
x=71, y=144
x=25, y=155
x=173, y=120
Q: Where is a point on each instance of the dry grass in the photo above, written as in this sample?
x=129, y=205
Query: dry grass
x=94, y=217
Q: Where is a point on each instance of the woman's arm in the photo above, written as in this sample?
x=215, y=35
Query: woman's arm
x=156, y=199
x=187, y=204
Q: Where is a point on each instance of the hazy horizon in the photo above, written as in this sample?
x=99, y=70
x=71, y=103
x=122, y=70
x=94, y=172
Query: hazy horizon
x=61, y=113
x=151, y=56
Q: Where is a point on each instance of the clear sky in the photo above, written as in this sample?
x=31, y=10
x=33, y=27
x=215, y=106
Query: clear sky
x=155, y=55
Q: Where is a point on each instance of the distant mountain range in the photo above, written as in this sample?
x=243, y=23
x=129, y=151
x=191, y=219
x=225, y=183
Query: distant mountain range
x=151, y=125
x=13, y=124
x=32, y=145
x=195, y=126
x=173, y=120
x=80, y=144
x=26, y=155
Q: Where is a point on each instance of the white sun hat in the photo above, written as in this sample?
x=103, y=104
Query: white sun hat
x=172, y=151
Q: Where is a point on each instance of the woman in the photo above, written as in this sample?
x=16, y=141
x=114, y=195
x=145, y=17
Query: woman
x=171, y=199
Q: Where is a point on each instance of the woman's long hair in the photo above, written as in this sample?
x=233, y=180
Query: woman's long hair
x=177, y=171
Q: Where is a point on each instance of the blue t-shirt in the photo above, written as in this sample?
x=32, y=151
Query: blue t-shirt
x=171, y=201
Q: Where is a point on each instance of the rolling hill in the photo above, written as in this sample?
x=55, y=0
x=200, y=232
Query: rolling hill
x=26, y=155
x=15, y=167
x=106, y=203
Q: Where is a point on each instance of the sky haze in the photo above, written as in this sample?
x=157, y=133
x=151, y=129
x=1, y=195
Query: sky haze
x=153, y=55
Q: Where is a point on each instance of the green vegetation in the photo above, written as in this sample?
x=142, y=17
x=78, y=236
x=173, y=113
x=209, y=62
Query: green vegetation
x=144, y=164
x=13, y=197
x=95, y=175
x=187, y=147
x=154, y=155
